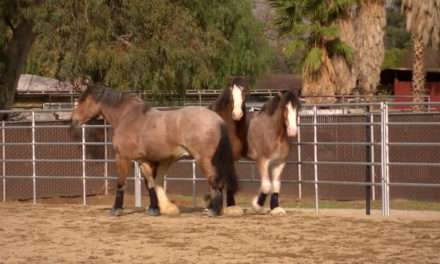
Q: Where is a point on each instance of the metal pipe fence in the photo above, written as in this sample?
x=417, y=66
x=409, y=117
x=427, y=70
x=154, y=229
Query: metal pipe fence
x=376, y=117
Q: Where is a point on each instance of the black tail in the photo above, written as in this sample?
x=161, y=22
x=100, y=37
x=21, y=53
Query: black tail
x=224, y=163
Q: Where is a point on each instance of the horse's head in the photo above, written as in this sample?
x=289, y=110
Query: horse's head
x=238, y=91
x=87, y=106
x=290, y=104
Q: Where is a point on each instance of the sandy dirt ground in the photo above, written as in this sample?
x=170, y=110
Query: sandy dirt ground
x=66, y=233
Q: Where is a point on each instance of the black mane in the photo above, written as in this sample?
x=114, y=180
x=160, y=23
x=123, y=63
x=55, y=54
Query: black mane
x=281, y=100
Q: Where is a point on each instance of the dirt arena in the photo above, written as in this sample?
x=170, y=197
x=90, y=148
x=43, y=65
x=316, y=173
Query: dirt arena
x=66, y=233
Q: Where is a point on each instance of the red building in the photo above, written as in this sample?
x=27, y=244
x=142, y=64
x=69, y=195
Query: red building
x=399, y=80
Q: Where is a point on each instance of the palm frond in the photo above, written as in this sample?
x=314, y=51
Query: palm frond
x=313, y=61
x=340, y=48
x=293, y=46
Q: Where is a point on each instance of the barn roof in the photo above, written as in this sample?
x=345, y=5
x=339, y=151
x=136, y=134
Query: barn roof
x=34, y=84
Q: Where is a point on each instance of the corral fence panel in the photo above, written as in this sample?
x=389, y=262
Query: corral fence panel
x=343, y=152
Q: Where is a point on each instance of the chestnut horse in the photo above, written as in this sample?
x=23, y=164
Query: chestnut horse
x=158, y=138
x=268, y=145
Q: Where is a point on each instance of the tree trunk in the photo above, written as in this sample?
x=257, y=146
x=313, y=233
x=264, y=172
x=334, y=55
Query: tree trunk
x=370, y=49
x=345, y=75
x=419, y=91
x=16, y=53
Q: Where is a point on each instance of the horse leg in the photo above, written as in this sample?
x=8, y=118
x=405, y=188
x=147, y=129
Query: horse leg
x=165, y=205
x=216, y=198
x=122, y=166
x=148, y=170
x=263, y=169
x=275, y=208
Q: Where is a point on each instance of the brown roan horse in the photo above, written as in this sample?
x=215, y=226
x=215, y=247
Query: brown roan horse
x=268, y=145
x=158, y=138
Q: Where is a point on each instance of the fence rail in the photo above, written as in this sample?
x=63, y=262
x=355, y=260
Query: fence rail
x=378, y=145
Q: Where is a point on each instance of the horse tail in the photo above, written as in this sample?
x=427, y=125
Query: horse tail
x=224, y=163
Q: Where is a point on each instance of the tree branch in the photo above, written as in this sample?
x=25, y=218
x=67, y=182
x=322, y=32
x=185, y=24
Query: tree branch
x=9, y=23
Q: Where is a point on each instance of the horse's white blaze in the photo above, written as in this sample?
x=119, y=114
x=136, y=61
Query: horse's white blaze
x=291, y=121
x=237, y=97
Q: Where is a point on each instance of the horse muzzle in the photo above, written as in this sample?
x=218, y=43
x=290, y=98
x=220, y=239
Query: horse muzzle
x=75, y=126
x=292, y=132
x=237, y=115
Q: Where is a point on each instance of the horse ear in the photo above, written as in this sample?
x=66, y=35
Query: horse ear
x=80, y=84
x=238, y=80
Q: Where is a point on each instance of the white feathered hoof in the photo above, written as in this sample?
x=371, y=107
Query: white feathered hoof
x=257, y=208
x=233, y=211
x=169, y=209
x=278, y=211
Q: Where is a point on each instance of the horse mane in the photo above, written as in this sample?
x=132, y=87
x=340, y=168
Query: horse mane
x=222, y=101
x=109, y=97
x=281, y=100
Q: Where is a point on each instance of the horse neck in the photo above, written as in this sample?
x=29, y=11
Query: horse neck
x=114, y=114
x=277, y=123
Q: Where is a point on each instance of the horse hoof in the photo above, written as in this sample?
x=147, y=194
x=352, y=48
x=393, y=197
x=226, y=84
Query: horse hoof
x=153, y=211
x=278, y=211
x=212, y=213
x=116, y=212
x=233, y=211
x=170, y=209
x=257, y=208
x=207, y=200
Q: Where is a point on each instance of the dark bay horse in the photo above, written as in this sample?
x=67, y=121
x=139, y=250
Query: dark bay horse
x=267, y=141
x=158, y=138
x=230, y=105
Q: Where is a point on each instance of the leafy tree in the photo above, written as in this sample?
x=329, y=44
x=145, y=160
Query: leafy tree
x=16, y=38
x=170, y=45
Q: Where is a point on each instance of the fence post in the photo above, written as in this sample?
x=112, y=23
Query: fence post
x=83, y=137
x=106, y=159
x=4, y=160
x=137, y=186
x=34, y=171
x=384, y=159
x=368, y=168
x=298, y=139
x=387, y=159
x=315, y=156
x=194, y=183
x=372, y=157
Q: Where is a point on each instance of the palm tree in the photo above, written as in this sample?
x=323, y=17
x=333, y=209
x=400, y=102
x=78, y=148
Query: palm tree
x=346, y=76
x=313, y=26
x=423, y=22
x=369, y=25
